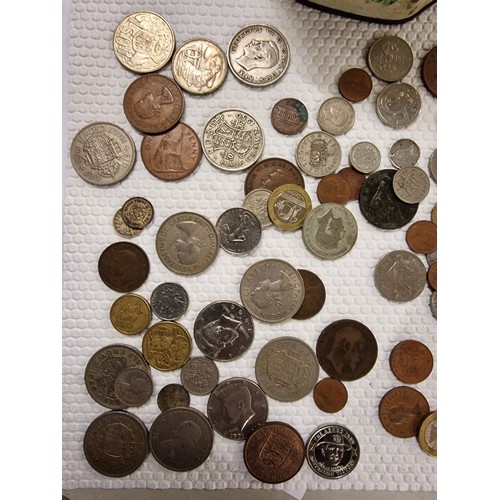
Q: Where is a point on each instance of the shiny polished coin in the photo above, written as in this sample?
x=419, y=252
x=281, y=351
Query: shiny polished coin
x=318, y=154
x=187, y=243
x=421, y=237
x=330, y=231
x=289, y=116
x=169, y=301
x=258, y=55
x=411, y=184
x=428, y=71
x=427, y=434
x=288, y=207
x=153, y=104
x=390, y=58
x=314, y=297
x=355, y=180
x=236, y=407
x=102, y=154
x=286, y=369
x=134, y=387
x=404, y=153
x=239, y=231
x=232, y=140
x=347, y=349
x=137, y=212
x=333, y=188
x=336, y=116
x=173, y=396
x=181, y=439
x=274, y=452
x=398, y=105
x=355, y=84
x=115, y=444
x=411, y=361
x=144, y=42
x=330, y=395
x=256, y=201
x=365, y=157
x=433, y=166
x=121, y=228
x=199, y=375
x=166, y=345
x=130, y=314
x=332, y=451
x=432, y=276
x=272, y=290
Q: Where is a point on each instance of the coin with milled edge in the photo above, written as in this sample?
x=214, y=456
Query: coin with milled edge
x=404, y=153
x=330, y=395
x=289, y=116
x=239, y=231
x=134, y=387
x=429, y=71
x=288, y=206
x=199, y=375
x=427, y=434
x=411, y=361
x=365, y=157
x=318, y=154
x=390, y=58
x=355, y=84
x=398, y=105
x=169, y=301
x=137, y=212
x=121, y=228
x=314, y=297
x=256, y=201
x=130, y=314
x=336, y=116
x=411, y=184
x=173, y=396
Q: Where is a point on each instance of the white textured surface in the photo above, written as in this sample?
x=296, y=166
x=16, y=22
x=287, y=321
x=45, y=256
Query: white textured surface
x=322, y=47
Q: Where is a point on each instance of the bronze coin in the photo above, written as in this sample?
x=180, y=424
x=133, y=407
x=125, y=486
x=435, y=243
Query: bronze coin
x=421, y=237
x=123, y=266
x=429, y=71
x=355, y=180
x=274, y=452
x=411, y=361
x=346, y=349
x=333, y=188
x=289, y=116
x=355, y=84
x=330, y=395
x=400, y=411
x=315, y=295
x=153, y=103
x=173, y=396
x=272, y=173
x=172, y=155
x=432, y=275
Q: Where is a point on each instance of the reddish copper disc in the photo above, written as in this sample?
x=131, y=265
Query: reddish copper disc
x=355, y=180
x=330, y=395
x=315, y=295
x=429, y=71
x=411, y=361
x=432, y=276
x=289, y=116
x=421, y=237
x=355, y=84
x=334, y=188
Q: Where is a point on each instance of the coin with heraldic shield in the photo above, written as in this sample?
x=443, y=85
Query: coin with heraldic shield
x=288, y=206
x=199, y=375
x=239, y=231
x=134, y=387
x=169, y=301
x=390, y=58
x=130, y=314
x=318, y=154
x=172, y=396
x=398, y=105
x=336, y=116
x=137, y=212
x=289, y=116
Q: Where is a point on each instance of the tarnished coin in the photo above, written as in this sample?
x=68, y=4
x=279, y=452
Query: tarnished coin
x=102, y=154
x=332, y=451
x=288, y=206
x=169, y=301
x=336, y=116
x=144, y=42
x=134, y=387
x=166, y=345
x=355, y=84
x=431, y=257
x=333, y=188
x=434, y=214
x=121, y=228
x=365, y=157
x=390, y=58
x=433, y=166
x=239, y=231
x=137, y=212
x=404, y=153
x=258, y=55
x=433, y=303
x=232, y=140
x=330, y=231
x=181, y=439
x=236, y=407
x=355, y=180
x=432, y=275
x=115, y=444
x=398, y=105
x=130, y=314
x=289, y=116
x=187, y=243
x=223, y=330
x=347, y=349
x=330, y=395
x=401, y=410
x=411, y=184
x=428, y=71
x=318, y=154
x=199, y=66
x=314, y=297
x=153, y=103
x=172, y=155
x=272, y=290
x=256, y=201
x=199, y=375
x=173, y=396
x=421, y=237
x=274, y=452
x=400, y=276
x=427, y=434
x=286, y=369
x=411, y=361
x=123, y=266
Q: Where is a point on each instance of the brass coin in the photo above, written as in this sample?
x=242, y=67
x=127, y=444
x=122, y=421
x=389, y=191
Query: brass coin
x=288, y=206
x=137, y=212
x=121, y=228
x=130, y=314
x=289, y=116
x=427, y=434
x=330, y=395
x=421, y=237
x=355, y=84
x=333, y=188
x=411, y=361
x=429, y=71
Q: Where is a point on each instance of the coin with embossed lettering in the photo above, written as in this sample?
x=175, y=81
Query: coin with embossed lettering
x=288, y=206
x=398, y=105
x=239, y=231
x=421, y=236
x=318, y=154
x=130, y=314
x=169, y=301
x=133, y=387
x=365, y=157
x=404, y=153
x=355, y=84
x=330, y=395
x=333, y=188
x=428, y=71
x=411, y=361
x=256, y=201
x=411, y=184
x=314, y=296
x=121, y=228
x=199, y=375
x=390, y=58
x=289, y=116
x=336, y=116
x=137, y=212
x=173, y=396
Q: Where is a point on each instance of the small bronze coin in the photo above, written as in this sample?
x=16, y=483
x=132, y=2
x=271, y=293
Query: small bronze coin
x=333, y=188
x=346, y=349
x=289, y=116
x=123, y=266
x=429, y=71
x=401, y=410
x=432, y=275
x=421, y=237
x=355, y=180
x=137, y=212
x=355, y=84
x=274, y=452
x=173, y=396
x=315, y=295
x=330, y=395
x=411, y=361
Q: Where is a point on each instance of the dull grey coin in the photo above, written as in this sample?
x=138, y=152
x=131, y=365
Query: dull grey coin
x=434, y=303
x=390, y=58
x=431, y=257
x=404, y=153
x=169, y=301
x=199, y=375
x=318, y=154
x=134, y=387
x=398, y=105
x=256, y=202
x=239, y=231
x=173, y=396
x=411, y=184
x=121, y=228
x=365, y=157
x=336, y=116
x=433, y=165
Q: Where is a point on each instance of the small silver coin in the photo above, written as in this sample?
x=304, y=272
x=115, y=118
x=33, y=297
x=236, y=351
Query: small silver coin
x=134, y=387
x=121, y=228
x=199, y=375
x=398, y=105
x=411, y=184
x=239, y=231
x=434, y=304
x=169, y=301
x=336, y=116
x=365, y=157
x=433, y=166
x=256, y=202
x=404, y=153
x=318, y=154
x=390, y=58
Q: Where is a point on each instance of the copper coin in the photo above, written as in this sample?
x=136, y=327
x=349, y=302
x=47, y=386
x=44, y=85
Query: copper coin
x=355, y=180
x=421, y=237
x=123, y=266
x=429, y=71
x=289, y=116
x=315, y=295
x=346, y=349
x=432, y=275
x=173, y=155
x=272, y=173
x=411, y=361
x=274, y=452
x=401, y=410
x=330, y=395
x=355, y=84
x=333, y=188
x=173, y=396
x=153, y=103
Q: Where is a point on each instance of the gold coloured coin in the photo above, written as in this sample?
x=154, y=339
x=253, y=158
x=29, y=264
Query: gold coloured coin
x=427, y=434
x=288, y=206
x=130, y=314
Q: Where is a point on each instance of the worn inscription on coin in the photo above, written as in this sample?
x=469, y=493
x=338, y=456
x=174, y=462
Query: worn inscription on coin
x=137, y=212
x=429, y=71
x=355, y=84
x=411, y=184
x=288, y=206
x=390, y=58
x=199, y=375
x=336, y=116
x=333, y=188
x=134, y=386
x=318, y=154
x=330, y=395
x=169, y=301
x=411, y=361
x=271, y=173
x=256, y=201
x=239, y=230
x=130, y=314
x=398, y=105
x=289, y=116
x=404, y=153
x=173, y=396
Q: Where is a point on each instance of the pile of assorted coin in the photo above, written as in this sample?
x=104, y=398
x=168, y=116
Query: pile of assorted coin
x=271, y=290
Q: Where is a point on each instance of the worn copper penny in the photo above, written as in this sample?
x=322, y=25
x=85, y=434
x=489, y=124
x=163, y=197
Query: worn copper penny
x=173, y=396
x=355, y=84
x=333, y=188
x=400, y=411
x=355, y=180
x=429, y=71
x=172, y=155
x=289, y=116
x=123, y=266
x=411, y=361
x=432, y=275
x=274, y=452
x=330, y=395
x=315, y=295
x=421, y=237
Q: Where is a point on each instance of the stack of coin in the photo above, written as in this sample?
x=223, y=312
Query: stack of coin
x=133, y=216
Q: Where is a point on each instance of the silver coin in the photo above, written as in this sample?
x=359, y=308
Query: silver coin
x=365, y=157
x=256, y=202
x=433, y=166
x=398, y=105
x=258, y=55
x=187, y=243
x=102, y=154
x=318, y=154
x=169, y=301
x=199, y=375
x=134, y=387
x=330, y=231
x=400, y=276
x=431, y=257
x=404, y=153
x=390, y=58
x=434, y=303
x=239, y=231
x=121, y=228
x=336, y=116
x=272, y=290
x=286, y=369
x=411, y=184
x=173, y=396
x=232, y=140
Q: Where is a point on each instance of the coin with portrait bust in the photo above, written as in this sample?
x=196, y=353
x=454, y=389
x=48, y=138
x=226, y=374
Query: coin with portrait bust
x=172, y=396
x=134, y=387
